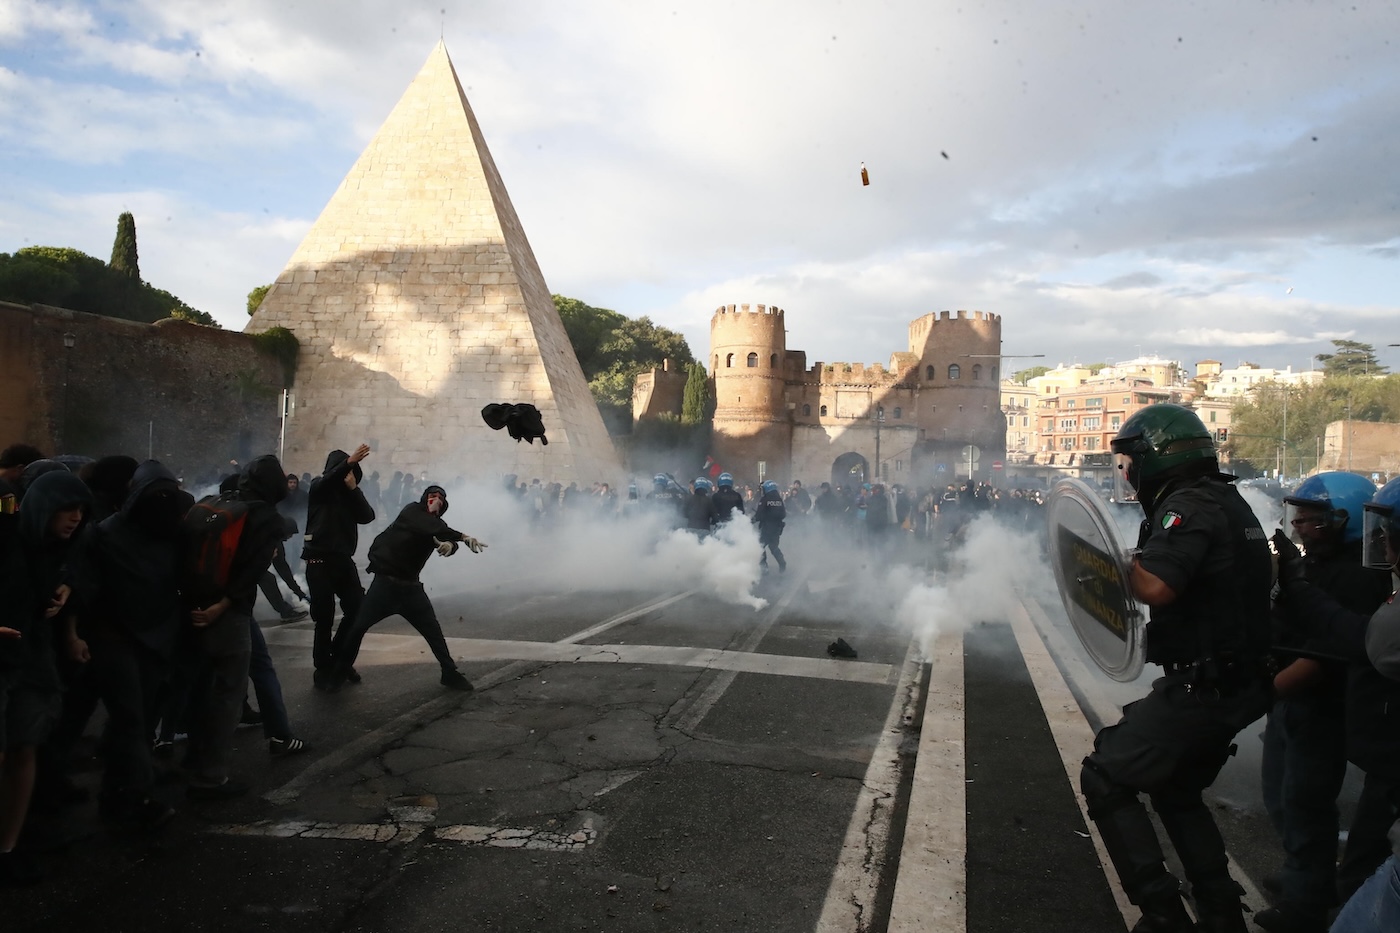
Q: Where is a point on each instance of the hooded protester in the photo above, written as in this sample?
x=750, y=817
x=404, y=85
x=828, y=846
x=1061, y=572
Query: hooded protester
x=37, y=578
x=130, y=620
x=220, y=635
x=110, y=481
x=396, y=558
x=336, y=507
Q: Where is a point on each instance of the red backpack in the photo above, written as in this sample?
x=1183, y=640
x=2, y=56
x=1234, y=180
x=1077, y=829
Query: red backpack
x=214, y=526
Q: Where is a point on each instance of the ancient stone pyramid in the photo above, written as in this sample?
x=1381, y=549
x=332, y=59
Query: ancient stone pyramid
x=417, y=300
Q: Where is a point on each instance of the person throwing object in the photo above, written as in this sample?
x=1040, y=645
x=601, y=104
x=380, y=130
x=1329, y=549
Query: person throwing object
x=396, y=558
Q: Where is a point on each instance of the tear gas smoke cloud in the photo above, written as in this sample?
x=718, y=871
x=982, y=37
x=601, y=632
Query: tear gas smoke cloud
x=981, y=582
x=583, y=550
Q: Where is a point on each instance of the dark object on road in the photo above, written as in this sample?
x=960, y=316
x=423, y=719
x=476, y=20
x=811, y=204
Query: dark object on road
x=839, y=649
x=522, y=421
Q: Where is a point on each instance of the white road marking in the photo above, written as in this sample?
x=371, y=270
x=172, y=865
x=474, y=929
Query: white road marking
x=851, y=895
x=687, y=718
x=501, y=837
x=930, y=892
x=1073, y=736
x=392, y=649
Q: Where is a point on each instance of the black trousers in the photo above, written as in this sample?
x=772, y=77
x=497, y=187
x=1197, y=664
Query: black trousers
x=387, y=597
x=1170, y=745
x=329, y=579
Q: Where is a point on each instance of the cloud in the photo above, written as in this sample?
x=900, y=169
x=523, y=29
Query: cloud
x=1117, y=175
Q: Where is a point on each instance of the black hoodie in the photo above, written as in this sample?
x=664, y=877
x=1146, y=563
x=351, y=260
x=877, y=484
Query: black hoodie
x=134, y=558
x=333, y=510
x=34, y=566
x=401, y=550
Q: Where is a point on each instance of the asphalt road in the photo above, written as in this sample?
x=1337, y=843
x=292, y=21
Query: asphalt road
x=648, y=760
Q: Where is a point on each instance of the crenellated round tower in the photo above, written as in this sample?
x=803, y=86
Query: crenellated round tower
x=748, y=357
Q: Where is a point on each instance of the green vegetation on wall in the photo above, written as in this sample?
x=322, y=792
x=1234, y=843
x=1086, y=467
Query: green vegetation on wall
x=283, y=346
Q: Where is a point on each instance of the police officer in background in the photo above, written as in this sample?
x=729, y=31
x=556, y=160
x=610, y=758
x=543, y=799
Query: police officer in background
x=699, y=509
x=665, y=498
x=769, y=515
x=1204, y=569
x=727, y=501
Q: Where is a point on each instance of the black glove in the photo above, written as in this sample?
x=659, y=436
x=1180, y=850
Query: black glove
x=1290, y=560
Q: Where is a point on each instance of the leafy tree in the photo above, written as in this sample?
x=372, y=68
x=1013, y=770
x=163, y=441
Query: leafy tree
x=256, y=296
x=1281, y=426
x=612, y=349
x=124, y=248
x=1352, y=358
x=695, y=407
x=1024, y=376
x=1094, y=368
x=69, y=278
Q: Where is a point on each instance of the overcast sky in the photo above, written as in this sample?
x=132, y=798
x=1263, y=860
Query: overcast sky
x=1213, y=179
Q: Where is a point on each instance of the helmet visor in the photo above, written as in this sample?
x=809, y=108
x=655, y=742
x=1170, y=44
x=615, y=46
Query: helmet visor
x=1124, y=489
x=1305, y=523
x=1380, y=537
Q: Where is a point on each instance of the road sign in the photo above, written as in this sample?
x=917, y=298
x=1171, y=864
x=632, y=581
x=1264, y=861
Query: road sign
x=1091, y=571
x=941, y=468
x=997, y=465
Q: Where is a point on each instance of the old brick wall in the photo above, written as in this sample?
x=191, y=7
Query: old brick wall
x=195, y=397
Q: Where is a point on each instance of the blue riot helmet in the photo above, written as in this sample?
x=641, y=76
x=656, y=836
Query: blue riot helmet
x=702, y=484
x=661, y=481
x=770, y=486
x=726, y=481
x=1381, y=528
x=1335, y=498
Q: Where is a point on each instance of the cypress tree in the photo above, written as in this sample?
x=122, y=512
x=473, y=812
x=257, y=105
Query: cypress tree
x=695, y=403
x=124, y=247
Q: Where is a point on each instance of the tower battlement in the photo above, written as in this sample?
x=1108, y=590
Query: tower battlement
x=981, y=322
x=771, y=310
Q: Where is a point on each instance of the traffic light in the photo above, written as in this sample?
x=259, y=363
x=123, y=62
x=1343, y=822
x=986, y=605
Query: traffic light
x=1222, y=435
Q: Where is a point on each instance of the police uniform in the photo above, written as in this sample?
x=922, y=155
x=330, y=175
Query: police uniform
x=1205, y=544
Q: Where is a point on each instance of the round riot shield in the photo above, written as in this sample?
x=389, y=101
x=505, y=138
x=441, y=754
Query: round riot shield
x=1091, y=570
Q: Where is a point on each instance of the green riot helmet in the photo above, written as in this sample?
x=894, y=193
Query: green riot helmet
x=1159, y=438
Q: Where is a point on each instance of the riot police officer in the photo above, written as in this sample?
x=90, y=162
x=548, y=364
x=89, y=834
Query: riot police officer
x=1204, y=569
x=1372, y=644
x=666, y=497
x=769, y=515
x=727, y=500
x=699, y=509
x=1305, y=739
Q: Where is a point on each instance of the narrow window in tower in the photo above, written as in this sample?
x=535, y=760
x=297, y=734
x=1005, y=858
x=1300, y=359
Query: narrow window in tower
x=994, y=372
x=823, y=411
x=753, y=361
x=898, y=412
x=729, y=361
x=976, y=371
x=773, y=361
x=806, y=410
x=954, y=371
x=928, y=373
x=716, y=361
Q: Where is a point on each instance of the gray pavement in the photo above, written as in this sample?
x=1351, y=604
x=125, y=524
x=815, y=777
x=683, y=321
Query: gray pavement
x=648, y=760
